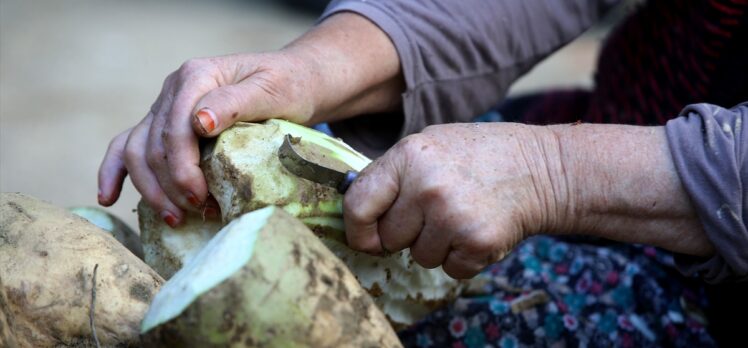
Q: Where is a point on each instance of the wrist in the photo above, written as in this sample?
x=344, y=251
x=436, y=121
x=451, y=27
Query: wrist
x=353, y=66
x=622, y=185
x=547, y=202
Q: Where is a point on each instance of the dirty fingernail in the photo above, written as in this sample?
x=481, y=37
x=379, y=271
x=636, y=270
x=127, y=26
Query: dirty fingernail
x=193, y=200
x=211, y=209
x=169, y=218
x=206, y=120
x=211, y=212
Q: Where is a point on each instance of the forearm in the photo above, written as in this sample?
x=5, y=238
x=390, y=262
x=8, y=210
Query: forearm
x=355, y=67
x=460, y=57
x=620, y=183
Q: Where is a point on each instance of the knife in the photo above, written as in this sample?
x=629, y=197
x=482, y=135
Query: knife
x=299, y=166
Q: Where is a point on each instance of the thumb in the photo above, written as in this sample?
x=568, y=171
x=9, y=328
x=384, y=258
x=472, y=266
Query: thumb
x=222, y=107
x=370, y=196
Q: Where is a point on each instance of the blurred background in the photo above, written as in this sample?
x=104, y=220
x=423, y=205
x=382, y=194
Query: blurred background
x=75, y=73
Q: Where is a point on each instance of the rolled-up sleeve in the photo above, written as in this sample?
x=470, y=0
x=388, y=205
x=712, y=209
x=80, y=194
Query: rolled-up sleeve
x=709, y=145
x=460, y=57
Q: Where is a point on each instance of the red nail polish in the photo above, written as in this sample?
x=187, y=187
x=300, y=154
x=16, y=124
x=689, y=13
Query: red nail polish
x=193, y=200
x=211, y=212
x=206, y=119
x=169, y=218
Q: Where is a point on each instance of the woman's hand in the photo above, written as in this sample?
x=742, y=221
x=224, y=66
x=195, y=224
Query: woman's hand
x=460, y=195
x=463, y=195
x=203, y=97
x=341, y=68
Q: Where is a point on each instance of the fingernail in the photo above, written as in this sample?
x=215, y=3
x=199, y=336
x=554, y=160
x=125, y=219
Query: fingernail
x=193, y=200
x=211, y=208
x=206, y=120
x=169, y=218
x=100, y=196
x=211, y=212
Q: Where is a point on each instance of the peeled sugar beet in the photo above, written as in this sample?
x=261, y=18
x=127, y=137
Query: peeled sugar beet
x=166, y=249
x=47, y=260
x=265, y=280
x=244, y=174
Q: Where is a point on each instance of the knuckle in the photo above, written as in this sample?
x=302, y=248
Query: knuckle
x=190, y=70
x=352, y=212
x=122, y=136
x=132, y=154
x=167, y=136
x=360, y=242
x=413, y=143
x=155, y=158
x=389, y=242
x=174, y=141
x=115, y=144
x=154, y=108
x=181, y=178
x=356, y=244
x=458, y=272
x=416, y=150
x=354, y=217
x=452, y=271
x=458, y=269
x=487, y=247
x=170, y=78
x=478, y=235
x=197, y=69
x=423, y=258
x=435, y=194
x=191, y=65
x=480, y=247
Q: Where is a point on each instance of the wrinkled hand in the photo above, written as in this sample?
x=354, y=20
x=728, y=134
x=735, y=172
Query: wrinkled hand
x=460, y=195
x=344, y=66
x=203, y=97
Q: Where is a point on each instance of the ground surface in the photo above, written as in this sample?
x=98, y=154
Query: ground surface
x=75, y=73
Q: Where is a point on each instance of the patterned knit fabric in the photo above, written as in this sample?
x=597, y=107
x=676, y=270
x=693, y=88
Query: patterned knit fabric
x=668, y=54
x=556, y=292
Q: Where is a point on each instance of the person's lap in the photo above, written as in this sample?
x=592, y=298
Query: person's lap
x=553, y=291
x=571, y=291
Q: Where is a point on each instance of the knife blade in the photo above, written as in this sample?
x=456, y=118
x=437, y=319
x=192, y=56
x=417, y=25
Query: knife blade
x=303, y=168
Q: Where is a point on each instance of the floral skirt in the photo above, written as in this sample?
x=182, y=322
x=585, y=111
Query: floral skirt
x=572, y=292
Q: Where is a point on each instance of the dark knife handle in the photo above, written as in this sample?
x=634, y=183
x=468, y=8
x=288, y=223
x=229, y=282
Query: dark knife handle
x=349, y=177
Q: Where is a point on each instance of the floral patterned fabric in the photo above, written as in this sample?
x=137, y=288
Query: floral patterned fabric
x=572, y=292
